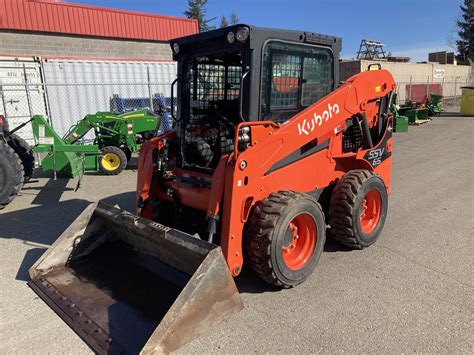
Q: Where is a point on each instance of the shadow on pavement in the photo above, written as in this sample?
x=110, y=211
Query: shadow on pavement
x=331, y=246
x=249, y=282
x=30, y=258
x=41, y=225
x=450, y=114
x=44, y=223
x=48, y=217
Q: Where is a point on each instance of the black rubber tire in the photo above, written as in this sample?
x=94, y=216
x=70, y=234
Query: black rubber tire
x=122, y=160
x=11, y=174
x=266, y=232
x=345, y=208
x=24, y=151
x=127, y=153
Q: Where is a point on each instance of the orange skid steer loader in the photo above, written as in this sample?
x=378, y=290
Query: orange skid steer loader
x=269, y=153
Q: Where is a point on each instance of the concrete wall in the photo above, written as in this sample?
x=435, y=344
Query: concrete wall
x=402, y=72
x=36, y=44
x=450, y=77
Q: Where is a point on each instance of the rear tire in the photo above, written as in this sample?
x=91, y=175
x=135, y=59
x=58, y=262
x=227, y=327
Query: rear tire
x=11, y=174
x=358, y=209
x=112, y=160
x=24, y=151
x=285, y=238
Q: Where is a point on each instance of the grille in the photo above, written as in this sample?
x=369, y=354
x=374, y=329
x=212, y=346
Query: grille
x=352, y=138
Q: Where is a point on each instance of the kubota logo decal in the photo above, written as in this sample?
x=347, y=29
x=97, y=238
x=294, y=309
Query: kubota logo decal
x=309, y=125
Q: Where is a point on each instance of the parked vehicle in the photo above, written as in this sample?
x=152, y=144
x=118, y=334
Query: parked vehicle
x=264, y=156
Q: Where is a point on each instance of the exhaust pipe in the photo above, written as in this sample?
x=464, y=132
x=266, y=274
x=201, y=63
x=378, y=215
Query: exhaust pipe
x=125, y=284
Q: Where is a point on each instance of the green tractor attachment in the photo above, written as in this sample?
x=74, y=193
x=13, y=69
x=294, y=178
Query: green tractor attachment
x=435, y=104
x=401, y=122
x=116, y=138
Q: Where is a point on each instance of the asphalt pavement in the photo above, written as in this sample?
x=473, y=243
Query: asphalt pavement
x=412, y=291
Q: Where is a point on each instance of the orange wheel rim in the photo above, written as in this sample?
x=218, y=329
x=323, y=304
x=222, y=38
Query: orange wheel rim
x=300, y=241
x=371, y=211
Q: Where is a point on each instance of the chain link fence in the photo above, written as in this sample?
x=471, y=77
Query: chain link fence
x=68, y=97
x=418, y=91
x=64, y=103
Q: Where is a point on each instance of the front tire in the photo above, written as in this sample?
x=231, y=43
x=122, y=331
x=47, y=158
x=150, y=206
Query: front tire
x=112, y=160
x=358, y=209
x=285, y=238
x=11, y=174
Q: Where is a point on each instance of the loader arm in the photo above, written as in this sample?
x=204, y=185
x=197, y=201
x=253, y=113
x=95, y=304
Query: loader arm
x=79, y=130
x=89, y=122
x=279, y=154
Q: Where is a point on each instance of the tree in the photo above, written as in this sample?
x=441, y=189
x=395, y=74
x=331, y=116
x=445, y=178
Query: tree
x=465, y=24
x=197, y=10
x=234, y=20
x=224, y=22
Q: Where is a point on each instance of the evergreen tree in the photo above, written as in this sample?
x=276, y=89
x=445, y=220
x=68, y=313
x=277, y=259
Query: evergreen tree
x=224, y=22
x=233, y=18
x=197, y=10
x=465, y=24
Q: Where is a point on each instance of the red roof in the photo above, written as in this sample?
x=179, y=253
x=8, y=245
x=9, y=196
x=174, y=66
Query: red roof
x=64, y=17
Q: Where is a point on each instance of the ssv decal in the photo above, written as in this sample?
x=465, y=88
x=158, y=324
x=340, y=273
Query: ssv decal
x=375, y=156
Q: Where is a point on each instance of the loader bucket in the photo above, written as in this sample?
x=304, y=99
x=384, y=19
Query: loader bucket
x=128, y=285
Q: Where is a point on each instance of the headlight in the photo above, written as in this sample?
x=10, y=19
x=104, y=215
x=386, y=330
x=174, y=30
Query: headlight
x=230, y=37
x=242, y=34
x=176, y=48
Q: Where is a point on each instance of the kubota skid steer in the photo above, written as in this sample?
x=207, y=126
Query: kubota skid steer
x=268, y=152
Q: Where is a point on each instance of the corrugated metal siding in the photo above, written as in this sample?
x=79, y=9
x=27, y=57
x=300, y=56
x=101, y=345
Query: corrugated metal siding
x=91, y=21
x=14, y=100
x=76, y=88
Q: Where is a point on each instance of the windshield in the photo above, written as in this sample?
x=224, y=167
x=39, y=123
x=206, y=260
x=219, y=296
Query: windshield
x=210, y=107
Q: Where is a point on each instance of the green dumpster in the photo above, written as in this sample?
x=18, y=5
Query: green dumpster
x=467, y=100
x=417, y=115
x=401, y=124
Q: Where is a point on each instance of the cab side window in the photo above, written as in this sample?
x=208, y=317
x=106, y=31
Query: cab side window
x=294, y=76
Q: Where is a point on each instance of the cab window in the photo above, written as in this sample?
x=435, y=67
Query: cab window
x=293, y=77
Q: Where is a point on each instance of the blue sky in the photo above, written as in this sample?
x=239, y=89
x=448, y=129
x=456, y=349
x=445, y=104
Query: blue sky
x=407, y=27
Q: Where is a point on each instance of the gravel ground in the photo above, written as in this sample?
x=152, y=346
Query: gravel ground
x=410, y=292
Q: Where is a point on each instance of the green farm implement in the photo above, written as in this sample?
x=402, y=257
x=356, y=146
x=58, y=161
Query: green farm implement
x=116, y=137
x=401, y=122
x=435, y=104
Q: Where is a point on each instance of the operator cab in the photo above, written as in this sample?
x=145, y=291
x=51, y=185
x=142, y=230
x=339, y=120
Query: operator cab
x=245, y=73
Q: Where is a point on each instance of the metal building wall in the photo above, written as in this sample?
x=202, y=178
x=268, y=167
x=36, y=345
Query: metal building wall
x=78, y=87
x=79, y=19
x=20, y=98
